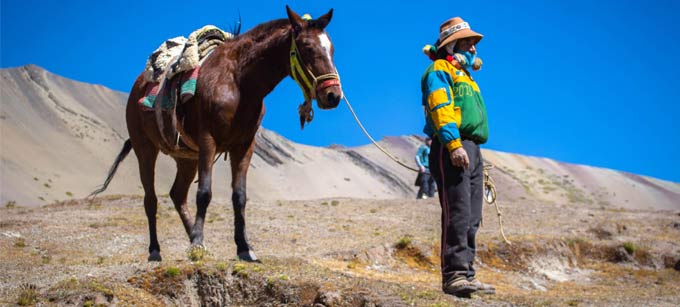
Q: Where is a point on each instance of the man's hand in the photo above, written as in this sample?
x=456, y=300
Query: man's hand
x=422, y=169
x=460, y=158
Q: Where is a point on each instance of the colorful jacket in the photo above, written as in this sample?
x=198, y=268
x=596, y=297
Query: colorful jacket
x=423, y=157
x=453, y=104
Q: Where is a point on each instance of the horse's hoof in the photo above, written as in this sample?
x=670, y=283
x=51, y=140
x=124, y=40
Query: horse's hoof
x=155, y=256
x=248, y=256
x=197, y=253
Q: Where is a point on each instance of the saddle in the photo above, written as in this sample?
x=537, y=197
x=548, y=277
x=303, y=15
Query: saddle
x=170, y=80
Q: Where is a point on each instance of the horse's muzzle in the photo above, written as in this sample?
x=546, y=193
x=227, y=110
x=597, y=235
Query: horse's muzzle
x=331, y=94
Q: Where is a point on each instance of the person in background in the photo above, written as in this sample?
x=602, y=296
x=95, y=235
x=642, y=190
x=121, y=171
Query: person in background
x=457, y=123
x=424, y=180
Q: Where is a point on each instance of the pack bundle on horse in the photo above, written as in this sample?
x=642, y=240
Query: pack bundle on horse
x=224, y=115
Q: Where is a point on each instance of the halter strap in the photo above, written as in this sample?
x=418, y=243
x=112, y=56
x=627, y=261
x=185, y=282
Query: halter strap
x=301, y=73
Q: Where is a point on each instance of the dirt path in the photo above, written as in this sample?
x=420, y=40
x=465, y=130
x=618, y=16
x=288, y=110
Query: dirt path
x=335, y=252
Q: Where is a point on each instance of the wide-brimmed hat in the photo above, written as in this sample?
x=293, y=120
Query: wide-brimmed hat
x=454, y=29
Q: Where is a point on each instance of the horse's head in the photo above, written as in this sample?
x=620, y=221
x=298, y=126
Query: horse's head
x=312, y=59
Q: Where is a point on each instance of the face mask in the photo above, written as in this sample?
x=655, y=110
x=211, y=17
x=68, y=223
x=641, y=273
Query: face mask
x=468, y=59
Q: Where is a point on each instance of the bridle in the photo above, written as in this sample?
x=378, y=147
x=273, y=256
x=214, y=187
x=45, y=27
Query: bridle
x=301, y=73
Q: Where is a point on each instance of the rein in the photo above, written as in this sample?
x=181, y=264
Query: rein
x=301, y=73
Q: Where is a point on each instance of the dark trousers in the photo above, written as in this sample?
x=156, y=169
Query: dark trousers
x=460, y=196
x=426, y=183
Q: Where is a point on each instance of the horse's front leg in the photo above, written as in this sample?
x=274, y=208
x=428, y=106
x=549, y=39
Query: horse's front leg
x=204, y=193
x=240, y=160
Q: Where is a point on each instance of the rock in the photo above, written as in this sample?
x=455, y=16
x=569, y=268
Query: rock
x=677, y=265
x=329, y=298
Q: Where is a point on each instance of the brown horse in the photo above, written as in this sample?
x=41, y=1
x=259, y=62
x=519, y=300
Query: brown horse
x=226, y=112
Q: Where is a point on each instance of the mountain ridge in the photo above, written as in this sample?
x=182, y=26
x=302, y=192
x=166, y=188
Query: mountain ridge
x=73, y=130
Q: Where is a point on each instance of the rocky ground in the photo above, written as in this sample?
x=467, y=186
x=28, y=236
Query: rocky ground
x=335, y=252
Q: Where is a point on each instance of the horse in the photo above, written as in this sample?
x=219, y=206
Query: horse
x=225, y=113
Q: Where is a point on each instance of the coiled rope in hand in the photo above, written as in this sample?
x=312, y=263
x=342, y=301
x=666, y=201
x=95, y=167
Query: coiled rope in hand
x=490, y=198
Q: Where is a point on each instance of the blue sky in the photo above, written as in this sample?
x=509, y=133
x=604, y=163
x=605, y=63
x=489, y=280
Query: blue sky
x=587, y=82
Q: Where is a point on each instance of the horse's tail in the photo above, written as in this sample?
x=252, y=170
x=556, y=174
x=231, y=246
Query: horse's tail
x=112, y=171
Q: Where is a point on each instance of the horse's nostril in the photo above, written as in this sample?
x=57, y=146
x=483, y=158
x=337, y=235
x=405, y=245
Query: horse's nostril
x=333, y=98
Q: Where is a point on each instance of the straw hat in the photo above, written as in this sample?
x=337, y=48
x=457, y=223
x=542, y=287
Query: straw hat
x=454, y=29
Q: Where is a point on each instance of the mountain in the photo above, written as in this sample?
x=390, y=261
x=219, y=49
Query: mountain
x=58, y=137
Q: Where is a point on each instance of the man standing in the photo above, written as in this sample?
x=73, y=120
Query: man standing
x=424, y=179
x=456, y=120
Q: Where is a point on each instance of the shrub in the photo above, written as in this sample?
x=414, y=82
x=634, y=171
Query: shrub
x=20, y=243
x=630, y=248
x=28, y=295
x=403, y=243
x=172, y=271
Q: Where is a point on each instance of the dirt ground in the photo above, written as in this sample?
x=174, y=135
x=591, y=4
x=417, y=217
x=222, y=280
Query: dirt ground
x=335, y=252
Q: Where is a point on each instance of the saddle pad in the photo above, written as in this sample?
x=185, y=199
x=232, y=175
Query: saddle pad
x=180, y=88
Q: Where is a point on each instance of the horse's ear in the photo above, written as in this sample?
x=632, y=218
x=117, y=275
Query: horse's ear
x=323, y=21
x=295, y=20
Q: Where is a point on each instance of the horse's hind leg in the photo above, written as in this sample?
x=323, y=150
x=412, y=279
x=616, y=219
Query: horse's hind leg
x=240, y=160
x=146, y=155
x=186, y=171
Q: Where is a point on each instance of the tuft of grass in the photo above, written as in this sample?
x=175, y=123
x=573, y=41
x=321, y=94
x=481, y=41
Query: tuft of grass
x=197, y=253
x=324, y=203
x=20, y=243
x=221, y=266
x=335, y=203
x=240, y=270
x=41, y=198
x=630, y=247
x=35, y=179
x=271, y=281
x=172, y=272
x=69, y=194
x=427, y=294
x=403, y=242
x=47, y=185
x=101, y=288
x=10, y=204
x=28, y=295
x=374, y=210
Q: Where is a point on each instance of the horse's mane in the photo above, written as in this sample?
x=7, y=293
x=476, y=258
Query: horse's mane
x=260, y=37
x=264, y=30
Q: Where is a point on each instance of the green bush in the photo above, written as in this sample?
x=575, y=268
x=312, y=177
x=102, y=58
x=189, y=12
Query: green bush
x=172, y=272
x=630, y=248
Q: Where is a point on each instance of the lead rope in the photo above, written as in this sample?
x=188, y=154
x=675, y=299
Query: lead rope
x=373, y=141
x=490, y=198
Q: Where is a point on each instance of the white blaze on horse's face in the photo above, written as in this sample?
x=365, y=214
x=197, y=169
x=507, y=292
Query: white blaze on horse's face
x=326, y=45
x=329, y=91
